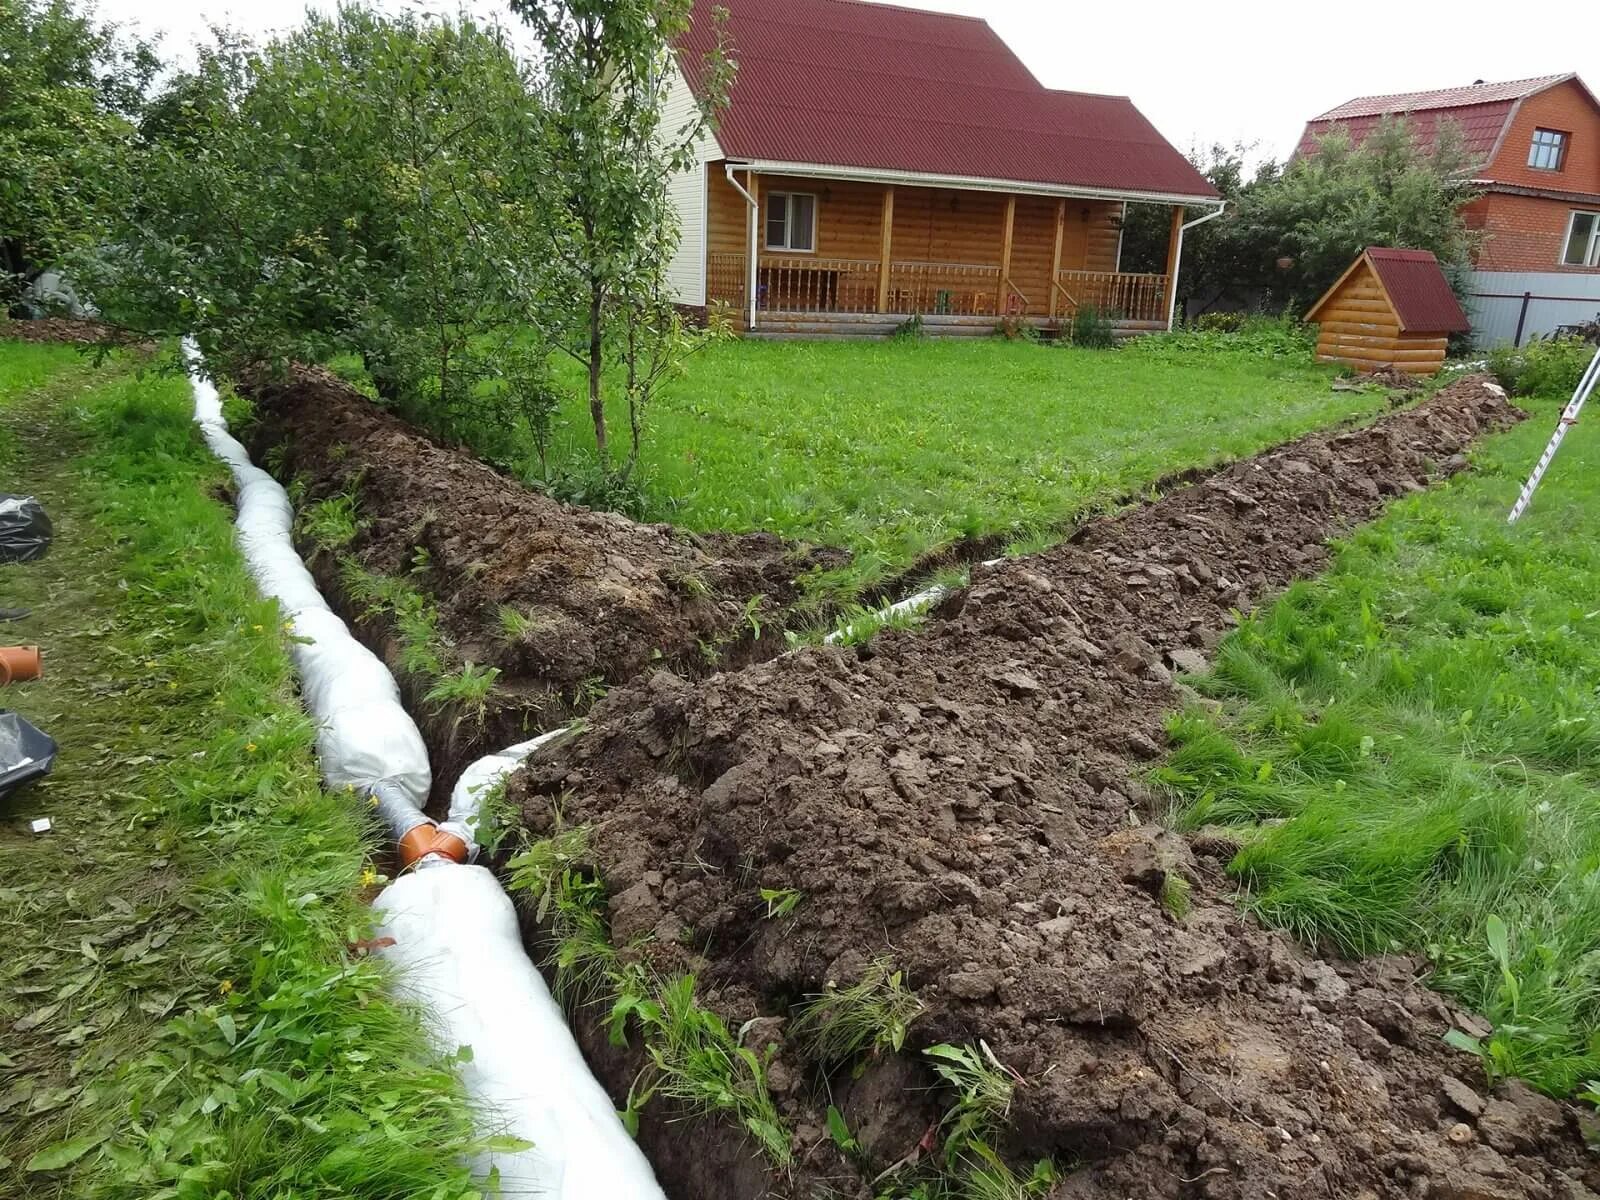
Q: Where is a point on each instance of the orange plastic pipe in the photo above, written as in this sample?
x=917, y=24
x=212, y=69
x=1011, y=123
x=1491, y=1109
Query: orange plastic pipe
x=18, y=664
x=423, y=840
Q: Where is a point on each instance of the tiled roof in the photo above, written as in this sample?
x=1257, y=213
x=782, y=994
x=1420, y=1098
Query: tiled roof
x=874, y=86
x=1479, y=110
x=1454, y=97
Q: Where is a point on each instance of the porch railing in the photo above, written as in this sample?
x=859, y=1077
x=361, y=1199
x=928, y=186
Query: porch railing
x=1113, y=293
x=942, y=289
x=804, y=283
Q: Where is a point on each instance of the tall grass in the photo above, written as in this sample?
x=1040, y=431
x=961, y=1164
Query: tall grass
x=1411, y=746
x=210, y=1031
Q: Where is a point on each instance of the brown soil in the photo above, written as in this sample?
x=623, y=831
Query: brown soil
x=959, y=797
x=77, y=331
x=606, y=597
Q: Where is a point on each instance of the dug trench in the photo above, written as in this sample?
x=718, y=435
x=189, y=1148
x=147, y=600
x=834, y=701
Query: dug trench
x=437, y=547
x=961, y=801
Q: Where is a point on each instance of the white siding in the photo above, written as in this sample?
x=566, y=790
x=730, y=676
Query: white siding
x=1495, y=298
x=687, y=271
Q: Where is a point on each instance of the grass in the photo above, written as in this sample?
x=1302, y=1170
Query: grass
x=894, y=448
x=184, y=1015
x=691, y=1056
x=1410, y=748
x=872, y=1015
x=422, y=645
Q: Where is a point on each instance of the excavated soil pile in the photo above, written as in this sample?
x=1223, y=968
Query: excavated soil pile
x=958, y=798
x=77, y=331
x=601, y=597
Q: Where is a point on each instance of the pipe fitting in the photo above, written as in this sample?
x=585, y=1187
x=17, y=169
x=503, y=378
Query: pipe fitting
x=18, y=664
x=423, y=841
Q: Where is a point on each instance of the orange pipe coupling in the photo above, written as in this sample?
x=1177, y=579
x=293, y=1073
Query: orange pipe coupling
x=422, y=840
x=18, y=664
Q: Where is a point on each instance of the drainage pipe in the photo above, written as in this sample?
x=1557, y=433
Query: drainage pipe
x=1177, y=259
x=456, y=944
x=755, y=233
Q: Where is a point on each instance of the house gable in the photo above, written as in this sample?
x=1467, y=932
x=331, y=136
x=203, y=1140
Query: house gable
x=848, y=86
x=1569, y=108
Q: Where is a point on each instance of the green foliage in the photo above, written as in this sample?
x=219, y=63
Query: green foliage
x=692, y=1057
x=1290, y=230
x=1410, y=744
x=605, y=70
x=194, y=1020
x=695, y=1061
x=70, y=88
x=1549, y=367
x=331, y=524
x=1255, y=337
x=416, y=621
x=1177, y=895
x=872, y=1015
x=781, y=902
x=1093, y=329
x=365, y=181
x=469, y=689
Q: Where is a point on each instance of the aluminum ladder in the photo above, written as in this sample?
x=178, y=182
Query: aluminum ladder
x=1569, y=418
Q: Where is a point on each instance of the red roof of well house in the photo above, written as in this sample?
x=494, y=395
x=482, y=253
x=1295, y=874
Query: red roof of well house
x=1480, y=110
x=843, y=83
x=1417, y=290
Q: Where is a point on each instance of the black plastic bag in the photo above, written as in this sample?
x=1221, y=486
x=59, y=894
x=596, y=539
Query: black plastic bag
x=24, y=529
x=26, y=753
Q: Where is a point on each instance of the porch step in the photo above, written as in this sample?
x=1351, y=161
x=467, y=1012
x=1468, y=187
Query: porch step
x=850, y=327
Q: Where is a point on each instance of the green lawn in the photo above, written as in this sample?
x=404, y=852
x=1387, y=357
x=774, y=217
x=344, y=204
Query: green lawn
x=1410, y=745
x=182, y=1014
x=894, y=448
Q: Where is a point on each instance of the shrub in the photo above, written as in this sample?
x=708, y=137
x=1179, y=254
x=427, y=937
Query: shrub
x=1093, y=328
x=1219, y=322
x=1256, y=337
x=1548, y=367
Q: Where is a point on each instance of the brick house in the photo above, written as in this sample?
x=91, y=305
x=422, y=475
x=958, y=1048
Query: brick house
x=1536, y=143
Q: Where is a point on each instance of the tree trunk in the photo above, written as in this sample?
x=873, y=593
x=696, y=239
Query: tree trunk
x=597, y=407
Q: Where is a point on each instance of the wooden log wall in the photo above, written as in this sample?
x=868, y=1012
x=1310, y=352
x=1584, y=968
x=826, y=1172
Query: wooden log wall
x=1359, y=327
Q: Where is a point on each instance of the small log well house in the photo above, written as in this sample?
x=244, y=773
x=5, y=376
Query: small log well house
x=1391, y=308
x=876, y=163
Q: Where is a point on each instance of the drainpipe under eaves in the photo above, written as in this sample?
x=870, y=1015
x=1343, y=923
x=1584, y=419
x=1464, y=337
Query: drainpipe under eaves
x=1177, y=264
x=755, y=230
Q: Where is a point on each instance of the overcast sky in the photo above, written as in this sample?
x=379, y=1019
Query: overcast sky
x=1226, y=72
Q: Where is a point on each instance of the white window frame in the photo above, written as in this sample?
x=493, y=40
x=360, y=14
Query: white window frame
x=789, y=222
x=1563, y=141
x=1591, y=256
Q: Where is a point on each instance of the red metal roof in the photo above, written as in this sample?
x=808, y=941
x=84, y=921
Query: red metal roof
x=1480, y=110
x=875, y=86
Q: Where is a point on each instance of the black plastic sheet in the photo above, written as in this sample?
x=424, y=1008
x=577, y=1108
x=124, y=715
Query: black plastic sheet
x=26, y=753
x=25, y=529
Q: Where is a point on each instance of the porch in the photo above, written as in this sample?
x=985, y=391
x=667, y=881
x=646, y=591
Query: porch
x=849, y=258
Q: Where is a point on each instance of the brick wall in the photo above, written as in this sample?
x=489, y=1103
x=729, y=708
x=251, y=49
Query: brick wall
x=1522, y=233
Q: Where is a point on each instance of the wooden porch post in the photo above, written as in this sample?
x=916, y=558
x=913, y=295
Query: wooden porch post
x=1055, y=259
x=1005, y=256
x=885, y=247
x=1174, y=245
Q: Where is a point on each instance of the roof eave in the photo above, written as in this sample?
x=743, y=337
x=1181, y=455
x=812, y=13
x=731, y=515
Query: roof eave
x=973, y=183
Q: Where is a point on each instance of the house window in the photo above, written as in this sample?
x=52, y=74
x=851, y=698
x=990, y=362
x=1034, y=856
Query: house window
x=1583, y=241
x=791, y=221
x=1548, y=151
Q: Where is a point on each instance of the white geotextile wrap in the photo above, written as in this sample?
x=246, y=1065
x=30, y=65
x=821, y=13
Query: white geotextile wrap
x=364, y=735
x=466, y=798
x=457, y=946
x=459, y=952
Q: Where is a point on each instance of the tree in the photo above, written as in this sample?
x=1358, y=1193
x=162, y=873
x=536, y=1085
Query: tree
x=69, y=91
x=605, y=70
x=1289, y=231
x=351, y=185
